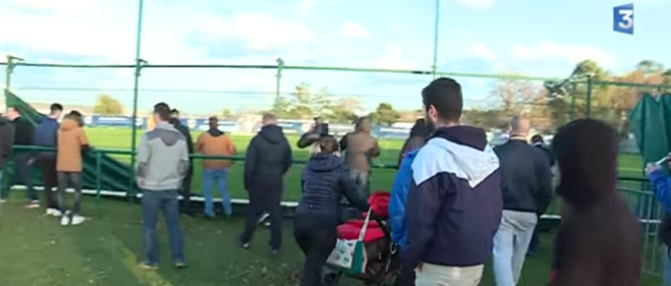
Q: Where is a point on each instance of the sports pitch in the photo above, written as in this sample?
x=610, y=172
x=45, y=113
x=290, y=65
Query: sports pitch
x=382, y=179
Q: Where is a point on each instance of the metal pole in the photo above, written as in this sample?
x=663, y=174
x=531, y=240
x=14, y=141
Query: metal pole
x=588, y=101
x=138, y=68
x=278, y=81
x=11, y=64
x=572, y=112
x=434, y=67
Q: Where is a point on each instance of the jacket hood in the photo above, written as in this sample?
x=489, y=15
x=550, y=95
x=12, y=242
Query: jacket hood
x=69, y=124
x=323, y=162
x=586, y=151
x=467, y=151
x=215, y=132
x=272, y=133
x=168, y=134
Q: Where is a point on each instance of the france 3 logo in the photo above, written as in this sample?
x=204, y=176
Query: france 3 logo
x=623, y=19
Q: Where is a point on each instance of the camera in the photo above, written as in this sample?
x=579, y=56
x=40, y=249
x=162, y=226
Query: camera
x=322, y=129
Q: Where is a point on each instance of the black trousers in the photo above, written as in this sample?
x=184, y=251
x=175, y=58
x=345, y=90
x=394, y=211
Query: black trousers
x=49, y=178
x=316, y=237
x=264, y=201
x=23, y=174
x=185, y=191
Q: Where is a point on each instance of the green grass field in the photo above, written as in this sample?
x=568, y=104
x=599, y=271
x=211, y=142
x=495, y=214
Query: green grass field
x=382, y=179
x=35, y=250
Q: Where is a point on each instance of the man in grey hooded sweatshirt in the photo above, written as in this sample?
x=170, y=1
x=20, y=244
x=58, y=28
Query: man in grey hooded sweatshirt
x=162, y=163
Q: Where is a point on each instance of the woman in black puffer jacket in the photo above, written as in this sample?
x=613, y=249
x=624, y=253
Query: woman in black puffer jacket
x=324, y=181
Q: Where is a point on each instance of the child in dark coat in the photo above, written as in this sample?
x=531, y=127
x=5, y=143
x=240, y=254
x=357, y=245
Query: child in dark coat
x=598, y=240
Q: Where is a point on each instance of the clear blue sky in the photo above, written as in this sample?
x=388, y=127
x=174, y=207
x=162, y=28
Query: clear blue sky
x=544, y=38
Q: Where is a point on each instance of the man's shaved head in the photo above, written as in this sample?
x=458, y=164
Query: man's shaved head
x=519, y=126
x=269, y=118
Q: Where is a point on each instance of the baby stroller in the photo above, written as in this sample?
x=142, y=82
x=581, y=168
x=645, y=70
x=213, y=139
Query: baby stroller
x=383, y=261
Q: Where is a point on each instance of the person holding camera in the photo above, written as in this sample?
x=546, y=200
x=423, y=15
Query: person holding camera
x=318, y=130
x=325, y=183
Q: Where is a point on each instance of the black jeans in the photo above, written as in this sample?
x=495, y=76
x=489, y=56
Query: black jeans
x=74, y=180
x=185, y=190
x=49, y=178
x=264, y=201
x=316, y=237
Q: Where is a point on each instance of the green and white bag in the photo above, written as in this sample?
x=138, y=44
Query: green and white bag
x=350, y=255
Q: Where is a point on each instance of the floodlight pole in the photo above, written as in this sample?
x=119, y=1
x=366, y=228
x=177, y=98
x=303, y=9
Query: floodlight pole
x=434, y=67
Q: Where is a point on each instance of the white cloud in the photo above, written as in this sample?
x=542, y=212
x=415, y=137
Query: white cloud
x=481, y=51
x=549, y=50
x=475, y=4
x=392, y=58
x=353, y=30
x=261, y=32
x=306, y=5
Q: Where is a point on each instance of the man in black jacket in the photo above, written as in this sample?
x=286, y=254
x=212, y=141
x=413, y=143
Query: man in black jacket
x=185, y=190
x=6, y=138
x=526, y=185
x=24, y=135
x=538, y=143
x=267, y=159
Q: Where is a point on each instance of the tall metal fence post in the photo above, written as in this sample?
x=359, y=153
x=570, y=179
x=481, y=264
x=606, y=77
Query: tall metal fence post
x=9, y=69
x=278, y=82
x=139, y=63
x=98, y=178
x=434, y=67
x=588, y=101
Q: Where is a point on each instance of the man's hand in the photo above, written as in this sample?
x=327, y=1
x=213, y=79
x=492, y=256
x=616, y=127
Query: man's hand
x=418, y=268
x=650, y=168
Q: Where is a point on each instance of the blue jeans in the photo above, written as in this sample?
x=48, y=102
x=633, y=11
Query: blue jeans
x=511, y=243
x=152, y=203
x=221, y=177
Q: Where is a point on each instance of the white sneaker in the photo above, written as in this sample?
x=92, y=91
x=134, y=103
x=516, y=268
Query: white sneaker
x=65, y=219
x=53, y=212
x=77, y=220
x=263, y=217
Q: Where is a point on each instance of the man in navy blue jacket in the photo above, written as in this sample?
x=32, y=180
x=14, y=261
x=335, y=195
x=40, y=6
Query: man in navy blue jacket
x=46, y=135
x=454, y=203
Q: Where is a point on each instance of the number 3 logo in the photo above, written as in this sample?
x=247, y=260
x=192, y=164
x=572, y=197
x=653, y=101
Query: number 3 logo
x=627, y=19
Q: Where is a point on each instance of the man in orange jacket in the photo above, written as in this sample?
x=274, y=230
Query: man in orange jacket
x=214, y=142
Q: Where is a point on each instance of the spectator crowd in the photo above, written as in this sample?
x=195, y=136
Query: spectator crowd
x=456, y=201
